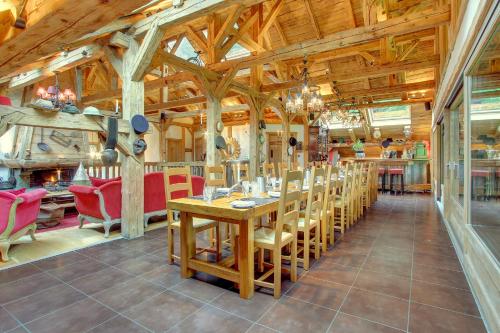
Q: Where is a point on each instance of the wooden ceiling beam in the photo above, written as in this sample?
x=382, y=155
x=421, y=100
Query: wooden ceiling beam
x=396, y=26
x=186, y=114
x=350, y=75
x=148, y=85
x=271, y=17
x=191, y=10
x=63, y=62
x=409, y=87
x=68, y=20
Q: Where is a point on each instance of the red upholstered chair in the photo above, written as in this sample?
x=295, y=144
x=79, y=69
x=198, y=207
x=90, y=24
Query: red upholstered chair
x=4, y=100
x=101, y=204
x=100, y=181
x=18, y=215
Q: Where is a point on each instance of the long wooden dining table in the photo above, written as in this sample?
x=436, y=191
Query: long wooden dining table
x=221, y=210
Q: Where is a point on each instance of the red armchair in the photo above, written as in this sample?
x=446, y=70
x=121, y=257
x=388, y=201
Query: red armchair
x=18, y=213
x=101, y=204
x=154, y=193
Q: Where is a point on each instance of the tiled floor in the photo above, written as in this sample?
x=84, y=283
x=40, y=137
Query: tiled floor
x=393, y=271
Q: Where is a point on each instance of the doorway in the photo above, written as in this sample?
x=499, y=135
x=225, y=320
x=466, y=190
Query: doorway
x=175, y=150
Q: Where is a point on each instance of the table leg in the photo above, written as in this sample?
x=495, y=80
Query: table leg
x=246, y=259
x=188, y=243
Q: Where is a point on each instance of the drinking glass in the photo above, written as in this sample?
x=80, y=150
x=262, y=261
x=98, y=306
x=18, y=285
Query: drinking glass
x=208, y=193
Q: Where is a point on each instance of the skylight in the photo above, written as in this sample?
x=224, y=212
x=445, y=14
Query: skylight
x=390, y=115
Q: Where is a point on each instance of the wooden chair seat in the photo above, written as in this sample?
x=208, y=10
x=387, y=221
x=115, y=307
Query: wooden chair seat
x=265, y=238
x=199, y=224
x=312, y=224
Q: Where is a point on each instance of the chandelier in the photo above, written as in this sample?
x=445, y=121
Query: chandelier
x=347, y=112
x=307, y=98
x=54, y=98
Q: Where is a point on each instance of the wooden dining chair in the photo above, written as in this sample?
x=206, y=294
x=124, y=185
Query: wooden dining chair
x=244, y=174
x=341, y=213
x=176, y=190
x=215, y=176
x=311, y=222
x=328, y=209
x=284, y=233
x=269, y=170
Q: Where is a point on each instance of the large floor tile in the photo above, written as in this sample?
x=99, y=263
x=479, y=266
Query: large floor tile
x=19, y=272
x=251, y=309
x=376, y=307
x=345, y=323
x=327, y=270
x=36, y=305
x=24, y=287
x=440, y=276
x=7, y=322
x=78, y=317
x=119, y=324
x=424, y=319
x=100, y=280
x=60, y=260
x=291, y=315
x=210, y=319
x=163, y=311
x=71, y=272
x=437, y=261
x=124, y=295
x=444, y=297
x=319, y=292
x=393, y=285
x=201, y=290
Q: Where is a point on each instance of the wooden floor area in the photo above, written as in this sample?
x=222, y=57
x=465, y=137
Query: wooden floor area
x=394, y=271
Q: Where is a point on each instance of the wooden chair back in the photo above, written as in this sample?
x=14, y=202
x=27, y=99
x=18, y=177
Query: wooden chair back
x=219, y=176
x=170, y=188
x=330, y=190
x=315, y=196
x=244, y=175
x=289, y=204
x=269, y=170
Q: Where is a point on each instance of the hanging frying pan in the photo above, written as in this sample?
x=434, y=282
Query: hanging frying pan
x=42, y=145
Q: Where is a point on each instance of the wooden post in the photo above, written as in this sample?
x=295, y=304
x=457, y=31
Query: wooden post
x=254, y=167
x=284, y=140
x=213, y=116
x=132, y=166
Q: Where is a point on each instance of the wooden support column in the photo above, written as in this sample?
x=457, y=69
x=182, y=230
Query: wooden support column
x=284, y=140
x=132, y=166
x=214, y=112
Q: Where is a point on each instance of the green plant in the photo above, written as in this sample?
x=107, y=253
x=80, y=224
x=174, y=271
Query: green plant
x=358, y=146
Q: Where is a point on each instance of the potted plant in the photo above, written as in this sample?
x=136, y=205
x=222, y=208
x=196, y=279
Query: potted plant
x=359, y=148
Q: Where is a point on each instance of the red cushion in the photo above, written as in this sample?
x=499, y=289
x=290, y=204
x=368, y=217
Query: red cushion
x=99, y=181
x=26, y=212
x=4, y=100
x=381, y=171
x=154, y=192
x=395, y=171
x=17, y=192
x=86, y=200
x=480, y=173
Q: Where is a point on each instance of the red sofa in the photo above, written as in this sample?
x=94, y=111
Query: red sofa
x=101, y=204
x=18, y=214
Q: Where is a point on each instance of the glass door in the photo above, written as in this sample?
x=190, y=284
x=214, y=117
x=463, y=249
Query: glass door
x=456, y=153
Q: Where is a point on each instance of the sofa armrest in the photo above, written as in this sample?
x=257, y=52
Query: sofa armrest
x=111, y=194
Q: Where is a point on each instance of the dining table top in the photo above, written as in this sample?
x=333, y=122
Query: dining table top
x=222, y=207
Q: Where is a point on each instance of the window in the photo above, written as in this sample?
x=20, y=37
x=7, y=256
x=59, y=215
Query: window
x=390, y=115
x=485, y=143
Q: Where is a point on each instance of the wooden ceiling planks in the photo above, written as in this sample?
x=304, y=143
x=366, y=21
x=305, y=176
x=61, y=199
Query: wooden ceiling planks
x=61, y=22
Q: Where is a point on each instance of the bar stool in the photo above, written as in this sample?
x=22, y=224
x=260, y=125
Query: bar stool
x=381, y=174
x=396, y=172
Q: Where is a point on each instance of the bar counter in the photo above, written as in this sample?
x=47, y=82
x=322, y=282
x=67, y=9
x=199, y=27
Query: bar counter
x=416, y=171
